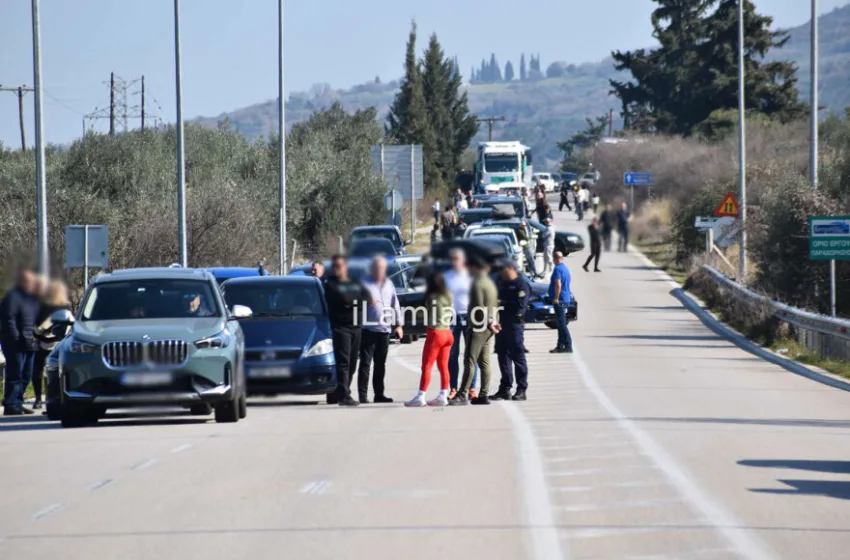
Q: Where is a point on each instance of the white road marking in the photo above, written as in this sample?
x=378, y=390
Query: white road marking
x=585, y=446
x=49, y=510
x=316, y=487
x=725, y=523
x=595, y=457
x=595, y=533
x=545, y=542
x=181, y=448
x=145, y=464
x=620, y=505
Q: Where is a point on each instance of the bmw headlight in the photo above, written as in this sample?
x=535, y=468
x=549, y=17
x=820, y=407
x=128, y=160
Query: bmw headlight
x=321, y=348
x=221, y=340
x=77, y=346
x=574, y=239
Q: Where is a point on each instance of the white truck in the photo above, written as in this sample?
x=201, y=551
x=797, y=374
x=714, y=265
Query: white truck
x=501, y=167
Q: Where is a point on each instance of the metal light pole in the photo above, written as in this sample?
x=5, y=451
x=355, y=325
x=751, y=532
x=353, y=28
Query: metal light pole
x=282, y=131
x=742, y=147
x=40, y=167
x=181, y=154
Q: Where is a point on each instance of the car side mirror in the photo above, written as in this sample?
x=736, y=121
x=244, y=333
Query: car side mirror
x=62, y=317
x=240, y=312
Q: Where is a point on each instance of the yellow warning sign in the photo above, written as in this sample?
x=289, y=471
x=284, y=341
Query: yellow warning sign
x=729, y=207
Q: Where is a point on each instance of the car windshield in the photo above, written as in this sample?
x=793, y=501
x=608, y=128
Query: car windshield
x=150, y=299
x=568, y=176
x=502, y=239
x=371, y=248
x=389, y=234
x=500, y=163
x=274, y=299
x=505, y=208
x=475, y=216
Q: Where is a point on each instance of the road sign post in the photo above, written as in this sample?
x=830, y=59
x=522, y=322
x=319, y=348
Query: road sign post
x=632, y=178
x=728, y=208
x=86, y=247
x=829, y=239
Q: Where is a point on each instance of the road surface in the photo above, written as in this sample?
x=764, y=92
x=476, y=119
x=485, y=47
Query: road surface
x=656, y=440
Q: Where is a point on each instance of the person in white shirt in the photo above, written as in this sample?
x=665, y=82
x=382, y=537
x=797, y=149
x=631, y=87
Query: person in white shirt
x=581, y=206
x=462, y=204
x=548, y=247
x=594, y=200
x=436, y=211
x=459, y=283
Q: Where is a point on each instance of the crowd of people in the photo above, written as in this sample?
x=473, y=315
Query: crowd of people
x=460, y=307
x=27, y=336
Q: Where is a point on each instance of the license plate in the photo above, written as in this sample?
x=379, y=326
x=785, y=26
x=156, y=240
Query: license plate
x=146, y=379
x=271, y=372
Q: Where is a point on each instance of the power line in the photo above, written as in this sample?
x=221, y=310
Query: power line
x=119, y=109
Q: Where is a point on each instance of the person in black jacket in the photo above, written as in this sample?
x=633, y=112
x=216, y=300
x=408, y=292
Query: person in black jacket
x=344, y=297
x=55, y=299
x=595, y=245
x=606, y=221
x=18, y=311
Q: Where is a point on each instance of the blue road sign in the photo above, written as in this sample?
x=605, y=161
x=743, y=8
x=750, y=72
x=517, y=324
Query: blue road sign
x=635, y=178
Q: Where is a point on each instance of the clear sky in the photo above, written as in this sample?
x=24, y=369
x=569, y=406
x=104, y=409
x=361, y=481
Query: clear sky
x=230, y=46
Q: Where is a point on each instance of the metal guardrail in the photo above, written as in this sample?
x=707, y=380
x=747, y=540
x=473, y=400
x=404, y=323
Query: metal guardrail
x=826, y=336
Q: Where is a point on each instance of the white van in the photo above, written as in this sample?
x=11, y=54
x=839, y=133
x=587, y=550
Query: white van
x=546, y=180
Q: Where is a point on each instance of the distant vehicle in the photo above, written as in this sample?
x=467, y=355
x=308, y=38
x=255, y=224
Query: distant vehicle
x=288, y=341
x=223, y=274
x=505, y=234
x=372, y=247
x=153, y=337
x=501, y=166
x=835, y=228
x=504, y=206
x=590, y=178
x=544, y=179
x=568, y=177
x=392, y=233
x=557, y=178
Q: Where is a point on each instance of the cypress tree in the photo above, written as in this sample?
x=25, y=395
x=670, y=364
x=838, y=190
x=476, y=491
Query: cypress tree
x=495, y=69
x=509, y=71
x=523, y=70
x=407, y=121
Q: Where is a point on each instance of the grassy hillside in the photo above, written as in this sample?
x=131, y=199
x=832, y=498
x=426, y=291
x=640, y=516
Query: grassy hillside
x=544, y=112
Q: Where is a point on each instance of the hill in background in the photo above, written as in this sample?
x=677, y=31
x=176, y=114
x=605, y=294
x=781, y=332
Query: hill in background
x=541, y=113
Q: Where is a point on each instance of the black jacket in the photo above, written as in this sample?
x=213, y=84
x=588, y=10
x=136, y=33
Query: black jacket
x=18, y=313
x=345, y=301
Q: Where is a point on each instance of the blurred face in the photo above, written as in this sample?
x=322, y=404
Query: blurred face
x=379, y=270
x=624, y=206
x=509, y=273
x=26, y=281
x=557, y=257
x=458, y=261
x=340, y=268
x=317, y=270
x=40, y=286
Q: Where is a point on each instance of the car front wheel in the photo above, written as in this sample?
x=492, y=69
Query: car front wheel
x=76, y=416
x=228, y=412
x=243, y=406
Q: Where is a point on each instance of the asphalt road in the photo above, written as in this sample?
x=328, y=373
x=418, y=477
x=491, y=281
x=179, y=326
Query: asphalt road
x=657, y=439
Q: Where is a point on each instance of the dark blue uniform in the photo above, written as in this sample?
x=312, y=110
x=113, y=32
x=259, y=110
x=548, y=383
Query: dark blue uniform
x=510, y=342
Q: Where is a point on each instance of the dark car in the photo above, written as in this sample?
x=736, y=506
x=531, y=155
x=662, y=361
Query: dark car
x=568, y=177
x=390, y=233
x=224, y=273
x=372, y=247
x=503, y=206
x=288, y=343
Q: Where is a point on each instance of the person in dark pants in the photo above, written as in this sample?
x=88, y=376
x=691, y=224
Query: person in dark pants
x=623, y=219
x=595, y=245
x=343, y=296
x=606, y=226
x=447, y=223
x=510, y=341
x=383, y=317
x=55, y=299
x=18, y=312
x=560, y=296
x=566, y=190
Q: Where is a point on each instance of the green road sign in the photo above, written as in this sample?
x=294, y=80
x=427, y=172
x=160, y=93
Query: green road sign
x=829, y=238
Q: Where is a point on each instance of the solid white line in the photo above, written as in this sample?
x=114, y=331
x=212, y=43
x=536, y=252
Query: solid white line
x=546, y=544
x=725, y=523
x=51, y=509
x=183, y=447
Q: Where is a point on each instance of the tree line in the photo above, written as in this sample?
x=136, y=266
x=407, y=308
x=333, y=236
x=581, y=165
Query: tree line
x=490, y=72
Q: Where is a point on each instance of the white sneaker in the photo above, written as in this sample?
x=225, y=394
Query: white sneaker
x=441, y=400
x=418, y=400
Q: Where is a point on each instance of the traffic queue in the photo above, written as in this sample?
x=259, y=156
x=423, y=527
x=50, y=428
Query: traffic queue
x=206, y=339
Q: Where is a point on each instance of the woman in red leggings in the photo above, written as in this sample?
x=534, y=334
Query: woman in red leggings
x=438, y=341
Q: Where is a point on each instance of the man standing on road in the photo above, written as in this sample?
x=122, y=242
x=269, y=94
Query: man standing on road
x=510, y=341
x=459, y=283
x=343, y=296
x=606, y=222
x=383, y=316
x=623, y=219
x=565, y=196
x=560, y=296
x=18, y=312
x=484, y=323
x=436, y=211
x=447, y=223
x=595, y=245
x=548, y=246
x=525, y=243
x=317, y=270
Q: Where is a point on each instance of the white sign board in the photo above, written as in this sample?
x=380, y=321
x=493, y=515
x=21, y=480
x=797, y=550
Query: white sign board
x=75, y=246
x=393, y=201
x=401, y=167
x=725, y=229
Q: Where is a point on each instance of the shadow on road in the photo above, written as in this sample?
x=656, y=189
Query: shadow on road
x=837, y=467
x=275, y=403
x=659, y=337
x=838, y=489
x=641, y=267
x=791, y=422
x=659, y=308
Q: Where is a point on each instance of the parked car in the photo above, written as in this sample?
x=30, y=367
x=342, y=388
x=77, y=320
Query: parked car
x=153, y=336
x=504, y=234
x=391, y=233
x=503, y=206
x=371, y=247
x=565, y=241
x=569, y=177
x=225, y=273
x=288, y=341
x=544, y=179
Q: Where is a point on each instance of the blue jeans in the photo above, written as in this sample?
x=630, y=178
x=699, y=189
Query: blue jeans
x=564, y=338
x=18, y=373
x=460, y=329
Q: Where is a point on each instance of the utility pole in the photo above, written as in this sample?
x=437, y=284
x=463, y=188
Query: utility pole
x=181, y=152
x=112, y=103
x=20, y=91
x=742, y=148
x=610, y=123
x=143, y=104
x=282, y=130
x=40, y=167
x=490, y=121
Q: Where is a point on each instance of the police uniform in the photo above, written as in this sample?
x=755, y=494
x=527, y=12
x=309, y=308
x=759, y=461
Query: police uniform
x=510, y=341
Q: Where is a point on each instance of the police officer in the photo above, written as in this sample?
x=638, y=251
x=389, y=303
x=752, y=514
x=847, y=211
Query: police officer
x=510, y=342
